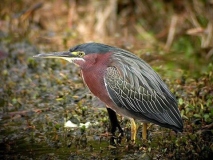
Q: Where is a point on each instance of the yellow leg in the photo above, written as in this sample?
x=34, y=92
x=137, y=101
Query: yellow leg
x=144, y=132
x=133, y=129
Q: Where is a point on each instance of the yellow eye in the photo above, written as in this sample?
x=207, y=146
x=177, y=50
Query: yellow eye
x=81, y=54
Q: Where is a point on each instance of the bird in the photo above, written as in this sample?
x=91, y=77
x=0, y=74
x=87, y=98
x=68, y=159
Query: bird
x=126, y=84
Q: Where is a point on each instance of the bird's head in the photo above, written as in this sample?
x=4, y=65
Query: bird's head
x=82, y=54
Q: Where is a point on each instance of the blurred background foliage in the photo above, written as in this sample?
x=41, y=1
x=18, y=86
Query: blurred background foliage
x=177, y=25
x=174, y=36
x=165, y=26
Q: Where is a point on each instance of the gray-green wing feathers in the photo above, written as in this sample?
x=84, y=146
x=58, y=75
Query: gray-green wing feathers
x=134, y=86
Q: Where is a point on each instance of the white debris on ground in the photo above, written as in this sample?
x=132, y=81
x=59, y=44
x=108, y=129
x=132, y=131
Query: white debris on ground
x=70, y=124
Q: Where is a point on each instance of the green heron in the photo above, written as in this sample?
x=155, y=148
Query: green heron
x=126, y=84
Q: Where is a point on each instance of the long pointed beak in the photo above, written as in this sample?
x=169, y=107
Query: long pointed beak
x=64, y=54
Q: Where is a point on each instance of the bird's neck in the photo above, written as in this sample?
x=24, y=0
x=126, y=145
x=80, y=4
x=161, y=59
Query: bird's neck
x=93, y=76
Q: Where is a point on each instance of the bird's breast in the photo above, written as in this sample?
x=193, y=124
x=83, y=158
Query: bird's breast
x=93, y=77
x=95, y=82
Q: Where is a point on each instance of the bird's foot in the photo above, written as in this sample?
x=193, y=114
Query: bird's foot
x=116, y=139
x=131, y=145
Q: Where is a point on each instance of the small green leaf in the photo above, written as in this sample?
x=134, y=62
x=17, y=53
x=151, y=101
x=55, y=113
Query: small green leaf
x=197, y=115
x=180, y=101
